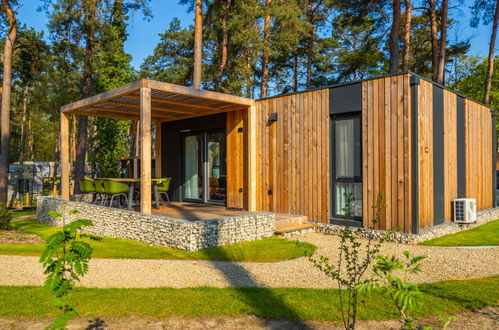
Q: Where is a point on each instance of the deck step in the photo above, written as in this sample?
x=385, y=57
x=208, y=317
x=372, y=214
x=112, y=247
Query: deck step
x=294, y=228
x=287, y=220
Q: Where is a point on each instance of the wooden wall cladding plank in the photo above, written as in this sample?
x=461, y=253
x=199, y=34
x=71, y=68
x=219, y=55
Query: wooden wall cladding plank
x=478, y=144
x=236, y=173
x=293, y=155
x=386, y=151
x=425, y=154
x=450, y=152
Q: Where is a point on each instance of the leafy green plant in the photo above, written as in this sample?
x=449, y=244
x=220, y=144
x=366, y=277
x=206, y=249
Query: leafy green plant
x=404, y=294
x=5, y=217
x=354, y=259
x=65, y=260
x=445, y=321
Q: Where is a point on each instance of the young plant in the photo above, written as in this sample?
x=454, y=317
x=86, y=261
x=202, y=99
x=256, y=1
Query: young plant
x=354, y=260
x=404, y=294
x=65, y=260
x=5, y=217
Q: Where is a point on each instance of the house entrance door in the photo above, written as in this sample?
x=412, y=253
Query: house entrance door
x=204, y=167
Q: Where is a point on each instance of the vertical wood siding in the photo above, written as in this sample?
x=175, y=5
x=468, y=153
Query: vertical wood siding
x=236, y=173
x=450, y=152
x=425, y=154
x=478, y=135
x=293, y=155
x=386, y=151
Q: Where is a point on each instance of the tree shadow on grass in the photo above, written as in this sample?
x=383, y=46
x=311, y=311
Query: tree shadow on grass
x=253, y=293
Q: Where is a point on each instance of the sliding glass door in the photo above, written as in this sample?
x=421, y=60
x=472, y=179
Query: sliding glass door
x=193, y=187
x=204, y=167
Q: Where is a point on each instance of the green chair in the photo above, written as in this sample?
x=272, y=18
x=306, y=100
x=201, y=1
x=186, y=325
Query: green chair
x=87, y=186
x=116, y=189
x=163, y=187
x=99, y=189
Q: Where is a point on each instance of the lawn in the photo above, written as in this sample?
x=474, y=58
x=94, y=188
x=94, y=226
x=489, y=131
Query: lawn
x=264, y=250
x=485, y=235
x=448, y=297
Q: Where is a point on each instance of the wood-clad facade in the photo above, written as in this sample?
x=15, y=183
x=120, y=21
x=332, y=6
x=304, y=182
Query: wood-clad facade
x=293, y=150
x=422, y=146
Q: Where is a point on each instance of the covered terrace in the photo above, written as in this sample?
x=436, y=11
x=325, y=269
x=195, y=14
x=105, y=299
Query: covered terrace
x=151, y=101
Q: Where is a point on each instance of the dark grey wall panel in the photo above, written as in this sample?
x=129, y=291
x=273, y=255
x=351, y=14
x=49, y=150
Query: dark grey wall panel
x=415, y=159
x=172, y=145
x=345, y=99
x=438, y=156
x=461, y=149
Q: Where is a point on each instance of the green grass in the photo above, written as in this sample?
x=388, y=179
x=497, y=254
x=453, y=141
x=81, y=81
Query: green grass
x=448, y=297
x=264, y=250
x=20, y=213
x=485, y=235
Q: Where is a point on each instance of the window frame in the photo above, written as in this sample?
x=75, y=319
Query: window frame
x=357, y=115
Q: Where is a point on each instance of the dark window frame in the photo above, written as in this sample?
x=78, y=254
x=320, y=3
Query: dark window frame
x=334, y=179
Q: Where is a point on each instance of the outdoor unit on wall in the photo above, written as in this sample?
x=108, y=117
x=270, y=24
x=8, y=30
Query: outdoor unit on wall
x=465, y=210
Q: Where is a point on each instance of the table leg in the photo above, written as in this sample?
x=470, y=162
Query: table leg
x=156, y=194
x=130, y=195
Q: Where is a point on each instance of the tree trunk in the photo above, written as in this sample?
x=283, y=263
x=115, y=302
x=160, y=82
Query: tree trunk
x=223, y=45
x=407, y=35
x=22, y=141
x=443, y=43
x=434, y=39
x=310, y=59
x=88, y=86
x=295, y=71
x=490, y=68
x=266, y=46
x=198, y=45
x=393, y=43
x=8, y=48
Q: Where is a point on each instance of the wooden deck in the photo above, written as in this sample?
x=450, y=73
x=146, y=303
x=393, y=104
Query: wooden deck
x=196, y=212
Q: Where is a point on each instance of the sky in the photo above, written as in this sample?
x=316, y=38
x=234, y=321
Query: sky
x=144, y=34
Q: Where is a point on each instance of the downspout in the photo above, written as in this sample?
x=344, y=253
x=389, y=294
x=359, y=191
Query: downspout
x=414, y=82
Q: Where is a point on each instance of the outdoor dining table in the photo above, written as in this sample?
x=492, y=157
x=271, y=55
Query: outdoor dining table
x=132, y=182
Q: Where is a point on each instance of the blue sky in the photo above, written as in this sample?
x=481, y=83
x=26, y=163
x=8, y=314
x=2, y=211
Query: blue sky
x=143, y=35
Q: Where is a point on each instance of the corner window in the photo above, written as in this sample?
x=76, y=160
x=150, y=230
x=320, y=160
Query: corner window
x=346, y=166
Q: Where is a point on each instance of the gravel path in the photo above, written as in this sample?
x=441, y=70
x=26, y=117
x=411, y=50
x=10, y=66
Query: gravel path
x=441, y=264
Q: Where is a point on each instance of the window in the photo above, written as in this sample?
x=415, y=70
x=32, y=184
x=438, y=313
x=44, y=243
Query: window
x=346, y=165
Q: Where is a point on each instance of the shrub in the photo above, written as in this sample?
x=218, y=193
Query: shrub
x=5, y=217
x=65, y=260
x=353, y=262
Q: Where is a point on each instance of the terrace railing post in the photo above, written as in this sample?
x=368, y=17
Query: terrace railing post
x=65, y=166
x=145, y=150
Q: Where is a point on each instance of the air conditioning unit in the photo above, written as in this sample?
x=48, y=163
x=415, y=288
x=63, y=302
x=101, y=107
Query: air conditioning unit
x=465, y=210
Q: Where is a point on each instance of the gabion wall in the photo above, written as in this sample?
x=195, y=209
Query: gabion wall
x=158, y=230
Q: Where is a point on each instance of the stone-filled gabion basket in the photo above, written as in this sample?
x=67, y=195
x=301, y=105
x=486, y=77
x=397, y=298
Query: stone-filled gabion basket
x=157, y=230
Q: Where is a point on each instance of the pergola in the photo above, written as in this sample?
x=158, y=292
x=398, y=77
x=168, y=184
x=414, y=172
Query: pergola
x=149, y=101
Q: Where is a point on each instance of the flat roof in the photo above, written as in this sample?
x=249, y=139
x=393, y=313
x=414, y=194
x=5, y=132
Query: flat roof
x=168, y=102
x=353, y=82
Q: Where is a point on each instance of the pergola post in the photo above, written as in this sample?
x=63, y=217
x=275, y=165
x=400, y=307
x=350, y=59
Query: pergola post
x=65, y=165
x=159, y=154
x=251, y=166
x=145, y=150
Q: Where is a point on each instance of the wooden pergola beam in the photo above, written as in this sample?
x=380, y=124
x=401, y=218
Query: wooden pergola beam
x=114, y=93
x=184, y=104
x=137, y=106
x=157, y=114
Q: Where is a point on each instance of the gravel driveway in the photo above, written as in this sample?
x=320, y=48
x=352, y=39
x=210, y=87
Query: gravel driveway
x=441, y=264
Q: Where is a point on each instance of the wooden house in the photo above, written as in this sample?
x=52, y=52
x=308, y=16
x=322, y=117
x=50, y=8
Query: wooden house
x=318, y=153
